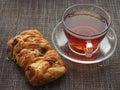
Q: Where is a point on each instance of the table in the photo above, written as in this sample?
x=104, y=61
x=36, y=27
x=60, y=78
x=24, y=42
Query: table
x=19, y=15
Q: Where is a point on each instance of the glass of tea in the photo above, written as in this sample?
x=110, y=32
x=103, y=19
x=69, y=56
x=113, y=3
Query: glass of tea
x=85, y=26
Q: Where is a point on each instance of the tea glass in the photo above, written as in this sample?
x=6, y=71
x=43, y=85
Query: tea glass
x=85, y=26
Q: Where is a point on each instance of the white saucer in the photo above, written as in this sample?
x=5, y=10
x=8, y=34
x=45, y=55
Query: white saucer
x=105, y=50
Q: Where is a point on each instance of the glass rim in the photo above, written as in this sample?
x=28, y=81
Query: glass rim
x=105, y=29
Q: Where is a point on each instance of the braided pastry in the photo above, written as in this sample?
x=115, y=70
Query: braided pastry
x=39, y=61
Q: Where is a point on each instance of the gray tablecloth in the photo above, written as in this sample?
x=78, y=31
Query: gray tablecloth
x=19, y=15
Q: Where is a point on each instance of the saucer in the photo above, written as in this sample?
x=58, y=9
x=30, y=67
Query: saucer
x=105, y=50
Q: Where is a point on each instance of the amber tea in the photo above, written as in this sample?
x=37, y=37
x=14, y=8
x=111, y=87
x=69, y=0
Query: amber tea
x=83, y=29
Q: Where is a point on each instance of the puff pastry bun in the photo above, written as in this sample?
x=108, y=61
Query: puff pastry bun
x=39, y=61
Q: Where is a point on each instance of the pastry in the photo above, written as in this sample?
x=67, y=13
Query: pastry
x=39, y=61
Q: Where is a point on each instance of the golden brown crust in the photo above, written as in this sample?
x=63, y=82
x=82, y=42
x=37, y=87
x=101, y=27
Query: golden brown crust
x=36, y=57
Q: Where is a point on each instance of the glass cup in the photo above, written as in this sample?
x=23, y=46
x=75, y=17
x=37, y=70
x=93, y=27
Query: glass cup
x=85, y=26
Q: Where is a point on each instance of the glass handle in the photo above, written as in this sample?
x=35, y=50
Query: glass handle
x=89, y=48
